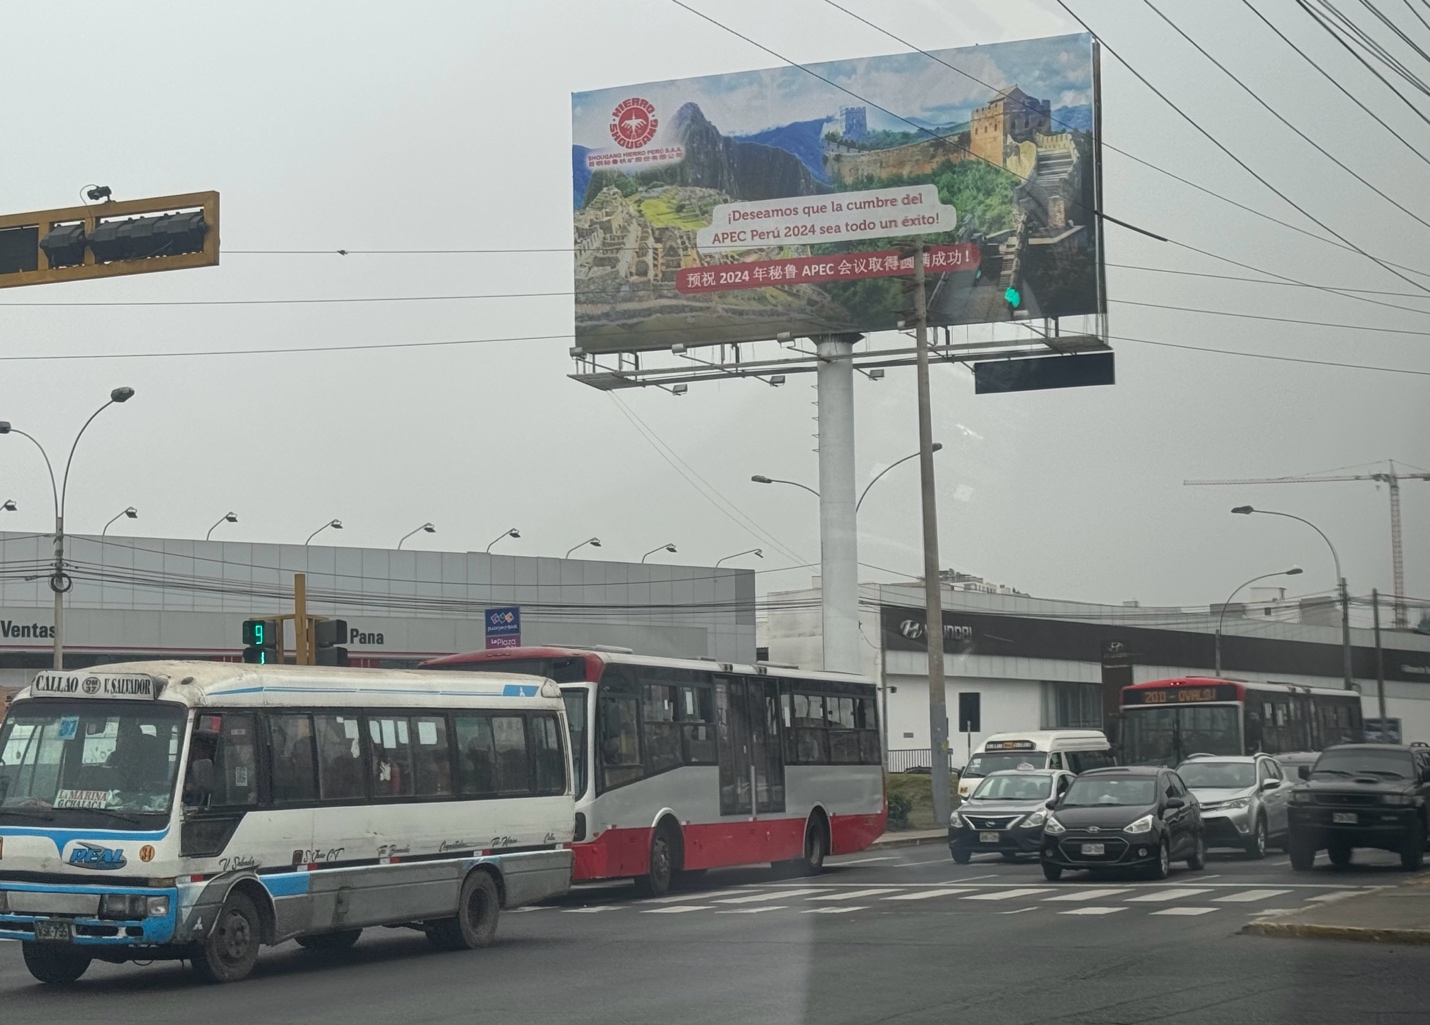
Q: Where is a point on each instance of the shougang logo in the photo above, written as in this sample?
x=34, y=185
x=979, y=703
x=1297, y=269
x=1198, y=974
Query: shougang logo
x=633, y=123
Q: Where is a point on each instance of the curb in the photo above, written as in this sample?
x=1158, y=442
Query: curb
x=1419, y=937
x=909, y=841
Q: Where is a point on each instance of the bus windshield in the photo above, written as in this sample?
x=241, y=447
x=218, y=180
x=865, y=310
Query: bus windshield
x=90, y=763
x=985, y=762
x=1163, y=735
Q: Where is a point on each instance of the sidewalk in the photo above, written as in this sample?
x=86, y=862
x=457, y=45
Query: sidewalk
x=1392, y=914
x=911, y=838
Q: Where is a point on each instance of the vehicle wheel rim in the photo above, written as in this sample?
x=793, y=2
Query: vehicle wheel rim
x=477, y=907
x=1261, y=838
x=660, y=860
x=816, y=848
x=237, y=937
x=1164, y=860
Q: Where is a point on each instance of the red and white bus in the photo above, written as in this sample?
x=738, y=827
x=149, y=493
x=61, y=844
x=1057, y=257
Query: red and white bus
x=684, y=765
x=1164, y=721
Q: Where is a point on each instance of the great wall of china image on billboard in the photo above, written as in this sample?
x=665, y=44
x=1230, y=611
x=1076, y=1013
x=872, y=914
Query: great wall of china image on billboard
x=732, y=208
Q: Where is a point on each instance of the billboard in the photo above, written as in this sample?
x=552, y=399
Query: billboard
x=503, y=627
x=732, y=208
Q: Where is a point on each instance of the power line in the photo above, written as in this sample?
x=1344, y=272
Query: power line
x=1337, y=290
x=1332, y=79
x=1278, y=320
x=1281, y=359
x=1241, y=163
x=1421, y=17
x=1330, y=29
x=1278, y=116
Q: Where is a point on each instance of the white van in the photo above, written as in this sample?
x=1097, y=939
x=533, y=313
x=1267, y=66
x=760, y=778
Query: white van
x=1073, y=750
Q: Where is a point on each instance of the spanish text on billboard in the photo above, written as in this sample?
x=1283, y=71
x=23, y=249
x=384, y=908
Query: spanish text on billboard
x=735, y=207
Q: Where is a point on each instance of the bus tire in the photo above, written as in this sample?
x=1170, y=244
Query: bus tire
x=475, y=924
x=231, y=948
x=816, y=848
x=55, y=965
x=330, y=942
x=664, y=863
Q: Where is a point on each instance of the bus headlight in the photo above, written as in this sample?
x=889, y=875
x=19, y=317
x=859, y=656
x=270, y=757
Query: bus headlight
x=158, y=907
x=123, y=906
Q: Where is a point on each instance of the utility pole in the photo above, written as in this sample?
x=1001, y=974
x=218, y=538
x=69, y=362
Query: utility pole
x=302, y=650
x=1346, y=635
x=933, y=590
x=1379, y=660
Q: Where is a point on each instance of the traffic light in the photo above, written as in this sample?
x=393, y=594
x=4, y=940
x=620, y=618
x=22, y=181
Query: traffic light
x=262, y=639
x=328, y=635
x=140, y=238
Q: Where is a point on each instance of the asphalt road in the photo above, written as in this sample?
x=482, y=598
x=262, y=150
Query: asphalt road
x=894, y=937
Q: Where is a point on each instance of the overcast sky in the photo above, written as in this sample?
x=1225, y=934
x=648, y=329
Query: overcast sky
x=447, y=125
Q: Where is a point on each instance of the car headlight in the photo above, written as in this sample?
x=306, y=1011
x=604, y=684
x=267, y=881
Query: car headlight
x=955, y=821
x=1240, y=802
x=1142, y=825
x=1301, y=797
x=1034, y=820
x=1396, y=799
x=1053, y=825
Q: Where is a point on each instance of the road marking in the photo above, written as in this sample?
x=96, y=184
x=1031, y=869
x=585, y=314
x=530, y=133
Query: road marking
x=1006, y=894
x=1092, y=911
x=1331, y=896
x=1176, y=893
x=969, y=879
x=856, y=893
x=676, y=909
x=1267, y=912
x=670, y=900
x=1185, y=912
x=1248, y=895
x=755, y=898
x=1090, y=894
x=830, y=911
x=753, y=911
x=530, y=907
x=864, y=861
x=1018, y=911
x=589, y=911
x=927, y=894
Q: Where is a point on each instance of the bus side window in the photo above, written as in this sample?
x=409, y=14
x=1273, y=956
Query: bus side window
x=340, y=757
x=697, y=725
x=225, y=740
x=619, y=739
x=1055, y=760
x=550, y=762
x=477, y=775
x=432, y=766
x=290, y=743
x=391, y=743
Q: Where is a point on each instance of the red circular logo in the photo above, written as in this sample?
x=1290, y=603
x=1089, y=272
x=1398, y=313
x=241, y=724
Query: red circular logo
x=633, y=123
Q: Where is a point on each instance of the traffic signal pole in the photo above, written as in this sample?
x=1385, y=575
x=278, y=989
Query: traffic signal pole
x=302, y=650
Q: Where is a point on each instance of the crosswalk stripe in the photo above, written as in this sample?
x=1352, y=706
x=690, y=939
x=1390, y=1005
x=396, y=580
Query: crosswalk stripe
x=1176, y=893
x=1186, y=912
x=866, y=861
x=1247, y=896
x=676, y=909
x=1331, y=896
x=830, y=911
x=1090, y=910
x=1006, y=894
x=752, y=911
x=926, y=894
x=1090, y=894
x=590, y=911
x=755, y=898
x=856, y=893
x=530, y=907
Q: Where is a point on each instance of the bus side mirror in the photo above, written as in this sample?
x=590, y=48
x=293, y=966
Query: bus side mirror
x=201, y=772
x=1304, y=771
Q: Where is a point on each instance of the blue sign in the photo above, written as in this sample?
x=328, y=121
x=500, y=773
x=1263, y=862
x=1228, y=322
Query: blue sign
x=503, y=628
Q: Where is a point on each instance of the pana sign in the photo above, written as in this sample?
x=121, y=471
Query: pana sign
x=136, y=686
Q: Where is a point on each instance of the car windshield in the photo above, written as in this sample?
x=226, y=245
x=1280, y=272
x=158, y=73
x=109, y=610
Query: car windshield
x=1090, y=793
x=1365, y=761
x=1225, y=775
x=1013, y=788
x=985, y=762
x=95, y=758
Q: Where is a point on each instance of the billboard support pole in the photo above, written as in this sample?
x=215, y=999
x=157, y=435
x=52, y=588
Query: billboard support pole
x=1379, y=664
x=933, y=589
x=838, y=536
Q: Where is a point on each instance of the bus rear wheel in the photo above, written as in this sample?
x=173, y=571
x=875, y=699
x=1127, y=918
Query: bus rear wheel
x=816, y=849
x=231, y=950
x=58, y=966
x=663, y=859
x=475, y=924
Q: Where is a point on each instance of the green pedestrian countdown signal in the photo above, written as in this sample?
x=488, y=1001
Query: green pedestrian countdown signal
x=262, y=639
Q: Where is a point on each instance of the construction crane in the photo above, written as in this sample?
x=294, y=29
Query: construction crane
x=1391, y=479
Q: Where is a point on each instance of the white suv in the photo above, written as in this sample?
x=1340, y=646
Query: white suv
x=1243, y=800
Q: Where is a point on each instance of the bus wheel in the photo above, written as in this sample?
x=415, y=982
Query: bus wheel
x=476, y=922
x=58, y=966
x=330, y=942
x=816, y=847
x=656, y=881
x=229, y=953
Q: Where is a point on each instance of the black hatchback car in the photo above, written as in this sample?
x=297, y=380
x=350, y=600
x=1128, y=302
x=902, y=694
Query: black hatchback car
x=1128, y=817
x=1362, y=795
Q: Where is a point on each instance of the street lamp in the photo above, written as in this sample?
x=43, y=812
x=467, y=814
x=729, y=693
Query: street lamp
x=594, y=542
x=659, y=548
x=9, y=505
x=756, y=552
x=426, y=526
x=228, y=517
x=131, y=512
x=60, y=581
x=760, y=478
x=513, y=532
x=1246, y=510
x=1293, y=571
x=335, y=524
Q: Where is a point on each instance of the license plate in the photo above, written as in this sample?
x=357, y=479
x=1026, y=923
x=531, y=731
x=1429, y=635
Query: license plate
x=987, y=837
x=48, y=931
x=1346, y=817
x=1094, y=848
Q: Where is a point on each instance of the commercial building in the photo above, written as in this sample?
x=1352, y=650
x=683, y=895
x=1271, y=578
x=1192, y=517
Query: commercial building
x=1045, y=664
x=136, y=598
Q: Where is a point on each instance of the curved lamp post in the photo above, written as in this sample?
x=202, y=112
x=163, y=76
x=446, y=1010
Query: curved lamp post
x=425, y=527
x=335, y=524
x=60, y=581
x=513, y=532
x=668, y=547
x=1293, y=571
x=131, y=512
x=1246, y=510
x=758, y=553
x=760, y=478
x=228, y=517
x=594, y=542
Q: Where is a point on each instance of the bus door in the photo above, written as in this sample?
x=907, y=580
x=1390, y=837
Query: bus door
x=751, y=756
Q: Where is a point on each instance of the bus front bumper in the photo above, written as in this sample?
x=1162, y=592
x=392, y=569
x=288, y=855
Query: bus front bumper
x=118, y=916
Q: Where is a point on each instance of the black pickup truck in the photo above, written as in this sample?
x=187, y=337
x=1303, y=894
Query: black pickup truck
x=1362, y=795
